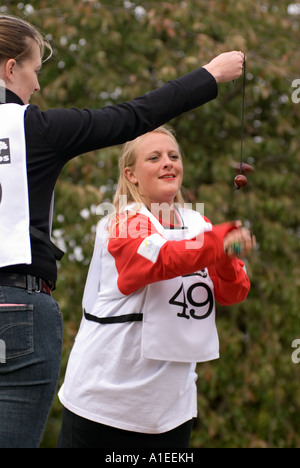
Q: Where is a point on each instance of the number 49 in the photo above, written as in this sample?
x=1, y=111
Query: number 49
x=188, y=300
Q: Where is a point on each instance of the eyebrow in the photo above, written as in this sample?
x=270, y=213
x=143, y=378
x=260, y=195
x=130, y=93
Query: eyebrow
x=174, y=150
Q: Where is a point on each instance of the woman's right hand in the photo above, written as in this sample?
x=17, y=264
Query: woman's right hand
x=239, y=241
x=227, y=66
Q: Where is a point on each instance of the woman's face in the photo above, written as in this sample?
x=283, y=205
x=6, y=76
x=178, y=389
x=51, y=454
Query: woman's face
x=22, y=78
x=158, y=169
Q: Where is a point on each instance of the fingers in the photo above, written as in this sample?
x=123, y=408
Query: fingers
x=227, y=66
x=238, y=64
x=238, y=224
x=239, y=242
x=242, y=55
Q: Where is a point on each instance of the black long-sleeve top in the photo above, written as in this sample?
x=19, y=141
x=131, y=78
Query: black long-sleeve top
x=55, y=136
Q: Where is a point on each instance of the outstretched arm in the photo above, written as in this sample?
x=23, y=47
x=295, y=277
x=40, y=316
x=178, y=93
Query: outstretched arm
x=143, y=256
x=70, y=132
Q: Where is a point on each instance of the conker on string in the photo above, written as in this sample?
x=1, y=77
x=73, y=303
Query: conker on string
x=240, y=181
x=241, y=168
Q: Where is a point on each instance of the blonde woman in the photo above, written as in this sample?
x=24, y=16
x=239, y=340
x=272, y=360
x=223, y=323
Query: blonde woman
x=149, y=308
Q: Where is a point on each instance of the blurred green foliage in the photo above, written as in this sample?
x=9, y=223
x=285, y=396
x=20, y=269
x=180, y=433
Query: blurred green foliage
x=112, y=51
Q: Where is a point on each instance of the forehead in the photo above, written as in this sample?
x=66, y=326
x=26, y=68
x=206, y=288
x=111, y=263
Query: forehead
x=35, y=52
x=156, y=142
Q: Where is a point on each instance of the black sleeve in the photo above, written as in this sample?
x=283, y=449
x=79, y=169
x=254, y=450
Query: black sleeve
x=71, y=132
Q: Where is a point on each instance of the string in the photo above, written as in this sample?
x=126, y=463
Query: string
x=243, y=114
x=249, y=211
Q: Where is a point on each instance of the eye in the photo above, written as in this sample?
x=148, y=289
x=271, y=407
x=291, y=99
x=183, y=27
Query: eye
x=174, y=157
x=153, y=157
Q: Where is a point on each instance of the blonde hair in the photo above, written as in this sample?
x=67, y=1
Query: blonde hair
x=14, y=35
x=127, y=192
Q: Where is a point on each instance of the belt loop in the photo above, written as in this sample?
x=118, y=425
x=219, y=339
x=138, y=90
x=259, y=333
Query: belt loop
x=38, y=285
x=29, y=284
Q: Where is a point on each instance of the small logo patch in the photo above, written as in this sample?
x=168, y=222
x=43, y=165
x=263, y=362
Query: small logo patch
x=150, y=247
x=4, y=151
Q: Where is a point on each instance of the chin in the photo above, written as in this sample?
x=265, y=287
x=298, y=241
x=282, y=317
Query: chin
x=168, y=200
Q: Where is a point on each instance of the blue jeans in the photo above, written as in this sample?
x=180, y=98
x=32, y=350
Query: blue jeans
x=30, y=357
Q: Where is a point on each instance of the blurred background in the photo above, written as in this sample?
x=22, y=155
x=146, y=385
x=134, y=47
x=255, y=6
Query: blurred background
x=110, y=51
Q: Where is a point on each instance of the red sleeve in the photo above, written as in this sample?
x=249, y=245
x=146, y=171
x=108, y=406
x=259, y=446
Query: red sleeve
x=174, y=258
x=230, y=280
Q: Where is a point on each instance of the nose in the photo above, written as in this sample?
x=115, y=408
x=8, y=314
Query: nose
x=167, y=162
x=37, y=87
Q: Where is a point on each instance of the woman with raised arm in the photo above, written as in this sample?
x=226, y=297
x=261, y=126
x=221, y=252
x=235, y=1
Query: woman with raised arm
x=35, y=146
x=149, y=308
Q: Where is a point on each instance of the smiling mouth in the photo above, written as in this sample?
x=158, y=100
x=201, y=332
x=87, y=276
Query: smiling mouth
x=168, y=176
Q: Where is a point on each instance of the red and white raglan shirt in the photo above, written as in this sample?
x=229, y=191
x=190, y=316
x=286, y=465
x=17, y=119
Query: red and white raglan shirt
x=149, y=317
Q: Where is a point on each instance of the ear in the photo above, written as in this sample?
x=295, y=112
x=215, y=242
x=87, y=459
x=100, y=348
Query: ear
x=10, y=70
x=129, y=174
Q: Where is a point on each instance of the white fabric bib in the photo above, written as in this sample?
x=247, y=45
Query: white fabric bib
x=92, y=285
x=179, y=314
x=15, y=247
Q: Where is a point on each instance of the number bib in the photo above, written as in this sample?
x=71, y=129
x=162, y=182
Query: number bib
x=15, y=247
x=179, y=314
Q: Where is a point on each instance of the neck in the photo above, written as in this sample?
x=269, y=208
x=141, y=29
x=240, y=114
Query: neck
x=165, y=212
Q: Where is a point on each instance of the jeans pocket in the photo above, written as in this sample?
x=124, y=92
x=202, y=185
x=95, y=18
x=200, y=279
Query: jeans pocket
x=16, y=331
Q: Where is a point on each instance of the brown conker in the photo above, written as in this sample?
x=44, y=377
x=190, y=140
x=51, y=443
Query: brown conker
x=240, y=181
